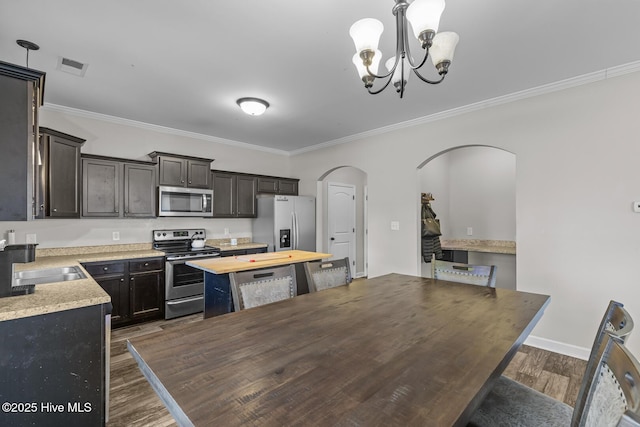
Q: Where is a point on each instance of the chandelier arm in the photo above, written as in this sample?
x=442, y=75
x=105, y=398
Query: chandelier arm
x=381, y=89
x=384, y=76
x=424, y=79
x=410, y=59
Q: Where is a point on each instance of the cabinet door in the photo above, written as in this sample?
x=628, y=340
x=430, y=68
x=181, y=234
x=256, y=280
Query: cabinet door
x=139, y=190
x=118, y=289
x=223, y=194
x=199, y=174
x=246, y=187
x=101, y=188
x=147, y=295
x=267, y=185
x=172, y=171
x=63, y=192
x=288, y=187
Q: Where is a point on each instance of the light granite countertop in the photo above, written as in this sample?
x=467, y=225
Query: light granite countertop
x=507, y=247
x=243, y=243
x=53, y=297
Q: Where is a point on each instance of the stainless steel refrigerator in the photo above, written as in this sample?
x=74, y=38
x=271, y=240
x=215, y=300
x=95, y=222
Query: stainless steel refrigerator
x=286, y=223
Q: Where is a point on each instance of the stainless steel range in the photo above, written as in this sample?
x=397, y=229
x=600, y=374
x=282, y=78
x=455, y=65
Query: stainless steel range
x=184, y=285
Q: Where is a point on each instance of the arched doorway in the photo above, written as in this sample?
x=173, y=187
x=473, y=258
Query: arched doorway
x=474, y=191
x=349, y=177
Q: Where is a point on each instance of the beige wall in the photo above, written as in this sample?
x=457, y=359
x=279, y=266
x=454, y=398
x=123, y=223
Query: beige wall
x=578, y=239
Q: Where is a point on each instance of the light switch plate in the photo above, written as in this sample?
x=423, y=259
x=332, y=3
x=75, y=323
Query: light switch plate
x=469, y=231
x=115, y=235
x=31, y=238
x=395, y=225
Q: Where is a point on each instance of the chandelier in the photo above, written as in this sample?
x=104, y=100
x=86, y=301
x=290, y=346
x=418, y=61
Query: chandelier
x=424, y=16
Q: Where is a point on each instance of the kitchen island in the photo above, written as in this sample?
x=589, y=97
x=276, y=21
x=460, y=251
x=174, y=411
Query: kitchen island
x=217, y=288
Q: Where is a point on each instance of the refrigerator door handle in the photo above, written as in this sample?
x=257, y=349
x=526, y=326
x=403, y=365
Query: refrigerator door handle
x=293, y=230
x=295, y=215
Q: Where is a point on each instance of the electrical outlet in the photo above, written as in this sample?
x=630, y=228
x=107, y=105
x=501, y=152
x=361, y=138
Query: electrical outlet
x=469, y=231
x=226, y=231
x=115, y=235
x=31, y=238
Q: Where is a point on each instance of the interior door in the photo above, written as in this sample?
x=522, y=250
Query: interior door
x=341, y=213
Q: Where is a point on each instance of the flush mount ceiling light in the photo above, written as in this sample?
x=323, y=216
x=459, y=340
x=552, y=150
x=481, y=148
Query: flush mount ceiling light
x=424, y=16
x=253, y=106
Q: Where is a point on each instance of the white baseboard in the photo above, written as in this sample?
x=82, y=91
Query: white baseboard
x=559, y=347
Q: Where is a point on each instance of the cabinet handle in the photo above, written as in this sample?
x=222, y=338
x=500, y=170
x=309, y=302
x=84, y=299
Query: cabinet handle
x=182, y=181
x=189, y=182
x=132, y=279
x=122, y=280
x=146, y=264
x=105, y=268
x=41, y=207
x=55, y=210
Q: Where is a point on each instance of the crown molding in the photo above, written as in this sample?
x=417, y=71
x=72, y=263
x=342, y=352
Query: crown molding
x=516, y=96
x=584, y=79
x=160, y=129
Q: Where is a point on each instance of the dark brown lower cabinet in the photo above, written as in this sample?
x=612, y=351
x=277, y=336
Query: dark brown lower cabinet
x=55, y=368
x=136, y=288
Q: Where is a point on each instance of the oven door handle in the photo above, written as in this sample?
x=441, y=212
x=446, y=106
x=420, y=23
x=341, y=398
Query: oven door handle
x=200, y=298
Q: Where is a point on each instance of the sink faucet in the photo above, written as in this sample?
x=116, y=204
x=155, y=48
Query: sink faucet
x=8, y=256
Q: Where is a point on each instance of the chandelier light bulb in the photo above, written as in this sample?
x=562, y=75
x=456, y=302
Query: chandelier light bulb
x=253, y=106
x=366, y=34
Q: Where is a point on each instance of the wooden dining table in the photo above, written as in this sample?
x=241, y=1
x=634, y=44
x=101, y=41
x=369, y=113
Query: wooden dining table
x=395, y=350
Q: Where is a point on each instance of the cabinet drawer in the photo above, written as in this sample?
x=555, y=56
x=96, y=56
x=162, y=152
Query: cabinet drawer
x=146, y=265
x=104, y=268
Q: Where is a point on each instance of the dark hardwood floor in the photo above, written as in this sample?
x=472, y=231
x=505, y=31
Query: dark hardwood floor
x=133, y=403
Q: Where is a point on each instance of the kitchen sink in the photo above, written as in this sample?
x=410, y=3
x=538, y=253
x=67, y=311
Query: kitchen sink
x=48, y=275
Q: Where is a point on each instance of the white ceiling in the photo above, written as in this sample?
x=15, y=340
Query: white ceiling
x=183, y=64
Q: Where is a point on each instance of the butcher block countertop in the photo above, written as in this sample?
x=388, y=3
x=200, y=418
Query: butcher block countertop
x=256, y=261
x=53, y=297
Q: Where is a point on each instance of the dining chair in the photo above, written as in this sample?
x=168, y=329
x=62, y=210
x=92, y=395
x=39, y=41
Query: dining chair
x=253, y=288
x=483, y=275
x=510, y=403
x=630, y=419
x=323, y=275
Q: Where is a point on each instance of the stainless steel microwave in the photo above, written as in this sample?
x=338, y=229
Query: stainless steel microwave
x=180, y=201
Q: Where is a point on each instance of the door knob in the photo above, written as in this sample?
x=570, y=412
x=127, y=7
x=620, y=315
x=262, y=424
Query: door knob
x=333, y=238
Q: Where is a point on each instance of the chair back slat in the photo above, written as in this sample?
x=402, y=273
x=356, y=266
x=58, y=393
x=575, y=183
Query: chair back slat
x=612, y=388
x=482, y=275
x=254, y=288
x=327, y=274
x=616, y=322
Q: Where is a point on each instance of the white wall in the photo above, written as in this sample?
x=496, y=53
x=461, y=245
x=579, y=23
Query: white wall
x=117, y=138
x=577, y=237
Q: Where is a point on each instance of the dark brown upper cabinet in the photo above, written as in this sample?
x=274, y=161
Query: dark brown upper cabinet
x=274, y=185
x=234, y=195
x=21, y=95
x=59, y=173
x=118, y=188
x=175, y=170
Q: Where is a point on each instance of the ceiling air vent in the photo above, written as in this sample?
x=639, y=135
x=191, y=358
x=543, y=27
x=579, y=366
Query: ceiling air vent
x=72, y=67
